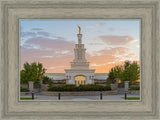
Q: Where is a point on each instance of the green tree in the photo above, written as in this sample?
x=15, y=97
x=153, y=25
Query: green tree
x=118, y=71
x=131, y=71
x=22, y=77
x=114, y=73
x=134, y=71
x=32, y=72
x=47, y=80
x=111, y=76
x=128, y=72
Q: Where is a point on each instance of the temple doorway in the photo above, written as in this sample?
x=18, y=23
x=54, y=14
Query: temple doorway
x=80, y=80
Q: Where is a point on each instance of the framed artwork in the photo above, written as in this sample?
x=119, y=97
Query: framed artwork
x=97, y=62
x=80, y=59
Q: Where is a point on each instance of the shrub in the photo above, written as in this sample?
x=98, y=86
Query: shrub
x=134, y=88
x=79, y=88
x=24, y=90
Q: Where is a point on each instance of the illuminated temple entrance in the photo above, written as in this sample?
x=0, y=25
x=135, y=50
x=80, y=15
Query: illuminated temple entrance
x=80, y=80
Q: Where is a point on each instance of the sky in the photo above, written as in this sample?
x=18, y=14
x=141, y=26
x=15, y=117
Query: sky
x=51, y=42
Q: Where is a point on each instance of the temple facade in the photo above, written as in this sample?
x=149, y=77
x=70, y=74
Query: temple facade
x=79, y=72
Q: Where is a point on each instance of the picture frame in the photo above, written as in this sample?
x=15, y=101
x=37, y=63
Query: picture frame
x=147, y=11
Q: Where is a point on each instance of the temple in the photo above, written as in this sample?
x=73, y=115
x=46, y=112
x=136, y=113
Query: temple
x=79, y=73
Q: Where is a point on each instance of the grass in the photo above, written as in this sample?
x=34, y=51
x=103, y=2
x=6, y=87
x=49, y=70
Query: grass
x=132, y=98
x=26, y=98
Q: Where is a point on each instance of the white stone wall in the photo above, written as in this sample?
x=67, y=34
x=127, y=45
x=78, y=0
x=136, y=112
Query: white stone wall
x=62, y=76
x=101, y=76
x=56, y=76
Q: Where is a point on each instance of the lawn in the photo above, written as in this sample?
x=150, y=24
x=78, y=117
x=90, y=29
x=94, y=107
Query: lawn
x=26, y=98
x=132, y=98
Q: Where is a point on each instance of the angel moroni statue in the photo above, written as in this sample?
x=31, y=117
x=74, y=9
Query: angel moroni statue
x=79, y=35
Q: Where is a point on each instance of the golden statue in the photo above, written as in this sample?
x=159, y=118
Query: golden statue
x=79, y=29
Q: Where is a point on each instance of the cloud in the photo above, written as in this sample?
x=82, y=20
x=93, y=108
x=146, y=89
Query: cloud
x=90, y=26
x=59, y=58
x=46, y=34
x=37, y=29
x=46, y=56
x=49, y=43
x=104, y=59
x=28, y=34
x=111, y=29
x=51, y=52
x=100, y=24
x=49, y=59
x=56, y=54
x=137, y=45
x=97, y=65
x=116, y=40
x=95, y=44
x=107, y=55
x=96, y=25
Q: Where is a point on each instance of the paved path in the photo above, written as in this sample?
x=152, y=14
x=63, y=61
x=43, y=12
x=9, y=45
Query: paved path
x=107, y=97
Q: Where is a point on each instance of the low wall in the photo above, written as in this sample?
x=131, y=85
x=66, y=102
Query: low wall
x=85, y=93
x=29, y=93
x=24, y=85
x=134, y=92
x=25, y=93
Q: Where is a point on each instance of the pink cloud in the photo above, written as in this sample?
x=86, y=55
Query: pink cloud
x=53, y=44
x=56, y=55
x=116, y=40
x=51, y=53
x=46, y=34
x=49, y=59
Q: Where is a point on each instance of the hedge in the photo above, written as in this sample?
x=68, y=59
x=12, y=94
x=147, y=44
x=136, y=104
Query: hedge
x=134, y=88
x=79, y=88
x=24, y=90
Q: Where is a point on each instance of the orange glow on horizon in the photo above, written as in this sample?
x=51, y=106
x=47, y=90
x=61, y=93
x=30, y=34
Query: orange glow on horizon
x=98, y=69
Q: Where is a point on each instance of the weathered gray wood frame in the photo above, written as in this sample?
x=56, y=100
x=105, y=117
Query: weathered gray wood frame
x=147, y=11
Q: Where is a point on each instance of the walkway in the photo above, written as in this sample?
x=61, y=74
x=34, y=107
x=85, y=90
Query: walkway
x=107, y=97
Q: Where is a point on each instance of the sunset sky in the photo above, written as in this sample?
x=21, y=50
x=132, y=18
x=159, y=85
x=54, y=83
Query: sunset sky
x=108, y=43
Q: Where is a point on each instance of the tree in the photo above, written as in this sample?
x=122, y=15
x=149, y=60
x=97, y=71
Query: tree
x=118, y=71
x=114, y=73
x=111, y=76
x=32, y=72
x=47, y=80
x=22, y=77
x=134, y=72
x=128, y=72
